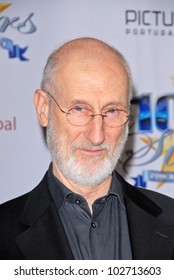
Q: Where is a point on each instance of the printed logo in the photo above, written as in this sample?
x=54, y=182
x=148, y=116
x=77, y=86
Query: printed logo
x=13, y=50
x=147, y=22
x=25, y=27
x=152, y=150
x=8, y=125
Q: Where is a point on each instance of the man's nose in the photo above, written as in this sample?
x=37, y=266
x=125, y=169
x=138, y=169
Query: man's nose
x=95, y=130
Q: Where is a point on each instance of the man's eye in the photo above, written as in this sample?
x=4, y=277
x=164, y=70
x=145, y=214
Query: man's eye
x=78, y=108
x=112, y=110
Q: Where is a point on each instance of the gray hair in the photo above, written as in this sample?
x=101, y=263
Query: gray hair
x=48, y=76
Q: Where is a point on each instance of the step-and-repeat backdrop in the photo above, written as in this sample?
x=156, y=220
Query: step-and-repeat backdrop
x=142, y=30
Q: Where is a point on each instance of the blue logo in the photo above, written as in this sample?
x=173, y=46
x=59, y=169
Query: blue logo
x=14, y=51
x=160, y=116
x=25, y=27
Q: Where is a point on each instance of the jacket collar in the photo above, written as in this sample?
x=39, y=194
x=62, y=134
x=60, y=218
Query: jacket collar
x=45, y=237
x=150, y=236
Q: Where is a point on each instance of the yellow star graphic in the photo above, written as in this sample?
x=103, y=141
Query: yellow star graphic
x=147, y=141
x=168, y=142
x=169, y=167
x=4, y=6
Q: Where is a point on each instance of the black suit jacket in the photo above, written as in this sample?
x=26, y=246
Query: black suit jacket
x=30, y=227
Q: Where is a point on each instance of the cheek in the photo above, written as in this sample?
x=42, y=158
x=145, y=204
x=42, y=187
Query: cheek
x=67, y=131
x=113, y=136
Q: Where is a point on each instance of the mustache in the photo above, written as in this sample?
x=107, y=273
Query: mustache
x=90, y=146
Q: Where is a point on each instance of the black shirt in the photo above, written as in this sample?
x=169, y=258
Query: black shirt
x=101, y=235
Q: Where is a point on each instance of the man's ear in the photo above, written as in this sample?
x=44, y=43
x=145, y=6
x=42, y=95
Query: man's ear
x=41, y=102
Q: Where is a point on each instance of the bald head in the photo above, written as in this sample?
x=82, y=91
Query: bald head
x=85, y=49
x=86, y=52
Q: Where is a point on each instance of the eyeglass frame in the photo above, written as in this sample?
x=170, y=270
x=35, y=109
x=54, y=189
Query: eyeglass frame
x=129, y=117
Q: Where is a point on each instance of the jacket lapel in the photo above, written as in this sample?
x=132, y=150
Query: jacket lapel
x=45, y=237
x=151, y=236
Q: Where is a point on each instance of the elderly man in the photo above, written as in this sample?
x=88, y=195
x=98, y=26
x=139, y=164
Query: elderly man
x=83, y=209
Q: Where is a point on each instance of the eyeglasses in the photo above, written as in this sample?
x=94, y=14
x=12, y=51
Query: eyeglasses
x=81, y=115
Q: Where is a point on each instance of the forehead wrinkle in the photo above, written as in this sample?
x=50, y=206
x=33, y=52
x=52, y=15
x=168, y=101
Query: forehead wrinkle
x=85, y=89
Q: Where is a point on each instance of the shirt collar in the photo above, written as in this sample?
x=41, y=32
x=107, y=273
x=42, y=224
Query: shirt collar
x=59, y=191
x=116, y=189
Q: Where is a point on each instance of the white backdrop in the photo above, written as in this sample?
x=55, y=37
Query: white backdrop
x=142, y=30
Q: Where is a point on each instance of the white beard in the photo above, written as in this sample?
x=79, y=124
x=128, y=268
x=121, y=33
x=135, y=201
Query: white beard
x=94, y=170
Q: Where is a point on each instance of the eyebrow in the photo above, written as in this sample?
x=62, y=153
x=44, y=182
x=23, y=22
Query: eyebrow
x=116, y=103
x=81, y=101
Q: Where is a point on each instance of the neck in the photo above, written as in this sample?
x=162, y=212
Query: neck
x=88, y=192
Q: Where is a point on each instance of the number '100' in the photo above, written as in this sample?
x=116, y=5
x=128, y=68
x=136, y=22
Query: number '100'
x=160, y=114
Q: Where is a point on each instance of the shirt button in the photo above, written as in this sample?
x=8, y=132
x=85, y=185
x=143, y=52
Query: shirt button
x=93, y=225
x=77, y=201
